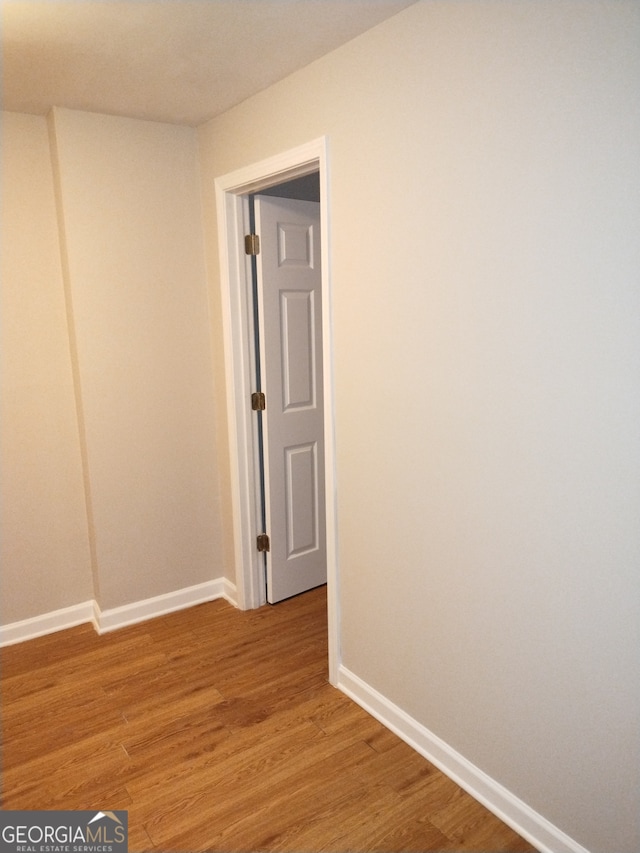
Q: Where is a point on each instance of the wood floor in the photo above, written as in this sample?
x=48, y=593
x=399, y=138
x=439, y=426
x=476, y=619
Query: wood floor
x=217, y=730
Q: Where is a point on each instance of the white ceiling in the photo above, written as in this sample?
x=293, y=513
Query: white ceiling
x=181, y=61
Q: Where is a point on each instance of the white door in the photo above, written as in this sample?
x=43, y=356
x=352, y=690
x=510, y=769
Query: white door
x=289, y=297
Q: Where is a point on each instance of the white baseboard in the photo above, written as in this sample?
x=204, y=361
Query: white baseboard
x=47, y=623
x=117, y=617
x=532, y=826
x=140, y=611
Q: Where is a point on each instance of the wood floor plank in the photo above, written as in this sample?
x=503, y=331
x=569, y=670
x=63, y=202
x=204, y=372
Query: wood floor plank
x=253, y=766
x=28, y=657
x=356, y=830
x=91, y=771
x=139, y=839
x=217, y=730
x=67, y=717
x=305, y=810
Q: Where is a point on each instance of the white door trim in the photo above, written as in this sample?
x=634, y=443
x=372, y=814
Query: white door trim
x=237, y=316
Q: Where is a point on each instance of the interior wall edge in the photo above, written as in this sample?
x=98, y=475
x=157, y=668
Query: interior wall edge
x=58, y=184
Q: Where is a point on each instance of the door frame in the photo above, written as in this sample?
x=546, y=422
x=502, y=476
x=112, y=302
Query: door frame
x=232, y=208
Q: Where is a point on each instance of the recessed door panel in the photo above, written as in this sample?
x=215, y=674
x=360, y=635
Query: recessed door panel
x=295, y=244
x=298, y=345
x=301, y=499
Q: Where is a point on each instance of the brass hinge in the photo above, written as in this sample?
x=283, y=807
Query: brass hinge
x=262, y=542
x=258, y=402
x=252, y=244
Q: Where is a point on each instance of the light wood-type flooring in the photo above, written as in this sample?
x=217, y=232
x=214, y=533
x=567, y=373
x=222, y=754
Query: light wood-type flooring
x=217, y=730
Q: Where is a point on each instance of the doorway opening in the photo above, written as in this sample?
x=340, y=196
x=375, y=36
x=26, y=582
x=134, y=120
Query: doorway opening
x=233, y=193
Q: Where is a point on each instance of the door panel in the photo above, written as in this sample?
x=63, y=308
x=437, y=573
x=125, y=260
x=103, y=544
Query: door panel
x=301, y=499
x=298, y=345
x=289, y=281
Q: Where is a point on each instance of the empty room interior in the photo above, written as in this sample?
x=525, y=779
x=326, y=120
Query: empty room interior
x=463, y=660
